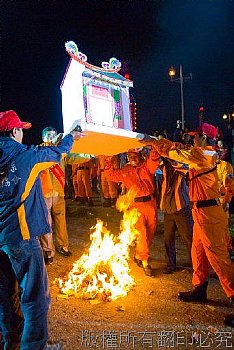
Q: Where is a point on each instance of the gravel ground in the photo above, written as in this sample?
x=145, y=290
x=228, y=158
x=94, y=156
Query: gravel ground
x=150, y=316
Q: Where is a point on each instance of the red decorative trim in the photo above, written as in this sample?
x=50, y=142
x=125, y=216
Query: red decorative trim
x=90, y=66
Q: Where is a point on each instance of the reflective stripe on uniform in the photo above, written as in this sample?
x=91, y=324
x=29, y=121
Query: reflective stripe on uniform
x=28, y=186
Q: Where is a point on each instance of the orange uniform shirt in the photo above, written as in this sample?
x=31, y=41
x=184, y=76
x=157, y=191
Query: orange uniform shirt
x=226, y=180
x=201, y=160
x=140, y=178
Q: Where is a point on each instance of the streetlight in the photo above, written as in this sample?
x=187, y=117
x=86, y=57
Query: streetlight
x=181, y=80
x=229, y=117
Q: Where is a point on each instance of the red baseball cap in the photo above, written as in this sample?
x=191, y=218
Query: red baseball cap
x=206, y=129
x=10, y=120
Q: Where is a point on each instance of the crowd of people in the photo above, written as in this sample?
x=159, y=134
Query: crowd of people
x=210, y=242
x=187, y=177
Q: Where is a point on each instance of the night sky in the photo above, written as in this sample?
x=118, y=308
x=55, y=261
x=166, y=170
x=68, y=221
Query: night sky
x=150, y=36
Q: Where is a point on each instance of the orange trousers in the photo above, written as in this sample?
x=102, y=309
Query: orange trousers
x=109, y=188
x=83, y=183
x=146, y=225
x=209, y=248
x=56, y=216
x=75, y=186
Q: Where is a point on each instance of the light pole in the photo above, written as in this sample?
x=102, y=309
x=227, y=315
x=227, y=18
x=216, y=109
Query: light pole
x=229, y=117
x=181, y=80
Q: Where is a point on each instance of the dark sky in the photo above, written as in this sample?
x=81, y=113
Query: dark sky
x=149, y=35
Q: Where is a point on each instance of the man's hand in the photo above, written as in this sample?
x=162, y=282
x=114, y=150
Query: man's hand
x=148, y=140
x=77, y=133
x=57, y=139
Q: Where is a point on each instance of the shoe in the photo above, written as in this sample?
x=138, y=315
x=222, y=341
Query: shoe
x=63, y=252
x=229, y=320
x=49, y=260
x=169, y=270
x=58, y=345
x=138, y=262
x=198, y=294
x=148, y=270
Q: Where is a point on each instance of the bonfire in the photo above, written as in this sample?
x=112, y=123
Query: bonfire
x=104, y=271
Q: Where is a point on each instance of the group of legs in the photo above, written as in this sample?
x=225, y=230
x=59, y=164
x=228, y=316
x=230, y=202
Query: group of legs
x=82, y=185
x=210, y=250
x=204, y=234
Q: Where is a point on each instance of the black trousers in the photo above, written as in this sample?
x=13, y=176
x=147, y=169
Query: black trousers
x=183, y=222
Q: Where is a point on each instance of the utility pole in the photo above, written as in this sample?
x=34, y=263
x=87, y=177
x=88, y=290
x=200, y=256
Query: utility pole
x=181, y=80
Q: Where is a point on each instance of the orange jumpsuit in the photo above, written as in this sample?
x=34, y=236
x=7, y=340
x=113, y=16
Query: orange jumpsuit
x=209, y=247
x=74, y=179
x=141, y=178
x=109, y=188
x=82, y=179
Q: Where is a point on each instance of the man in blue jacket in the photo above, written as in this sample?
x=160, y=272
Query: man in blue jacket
x=23, y=217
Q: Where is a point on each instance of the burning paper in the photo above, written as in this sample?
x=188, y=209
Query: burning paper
x=104, y=272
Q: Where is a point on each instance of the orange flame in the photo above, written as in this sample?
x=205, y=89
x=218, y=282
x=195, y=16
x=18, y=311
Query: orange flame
x=104, y=272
